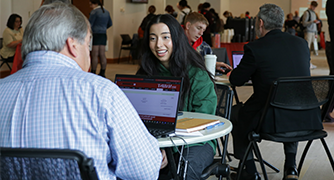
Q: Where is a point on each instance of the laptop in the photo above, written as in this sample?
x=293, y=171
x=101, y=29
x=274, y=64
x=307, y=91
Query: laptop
x=156, y=100
x=236, y=58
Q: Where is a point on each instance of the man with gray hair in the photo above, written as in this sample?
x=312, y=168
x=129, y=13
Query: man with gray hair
x=275, y=54
x=53, y=102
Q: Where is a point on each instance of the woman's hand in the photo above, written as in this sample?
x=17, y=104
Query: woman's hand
x=164, y=159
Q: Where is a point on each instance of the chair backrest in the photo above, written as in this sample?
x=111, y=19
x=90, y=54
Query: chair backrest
x=126, y=39
x=28, y=163
x=224, y=101
x=299, y=93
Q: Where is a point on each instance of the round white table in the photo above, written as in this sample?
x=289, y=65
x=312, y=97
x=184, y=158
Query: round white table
x=209, y=134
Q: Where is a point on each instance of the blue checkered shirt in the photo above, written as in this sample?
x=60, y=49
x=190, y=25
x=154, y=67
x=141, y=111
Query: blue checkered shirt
x=52, y=103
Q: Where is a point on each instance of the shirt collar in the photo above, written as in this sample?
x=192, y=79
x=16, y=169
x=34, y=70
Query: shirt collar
x=49, y=58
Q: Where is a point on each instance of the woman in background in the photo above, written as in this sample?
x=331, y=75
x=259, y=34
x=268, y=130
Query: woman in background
x=12, y=36
x=147, y=18
x=170, y=10
x=290, y=24
x=167, y=52
x=100, y=21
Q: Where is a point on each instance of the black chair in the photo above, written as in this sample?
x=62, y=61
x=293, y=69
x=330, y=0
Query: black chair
x=293, y=94
x=34, y=164
x=224, y=106
x=4, y=60
x=127, y=44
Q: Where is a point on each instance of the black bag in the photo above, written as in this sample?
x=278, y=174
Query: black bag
x=184, y=17
x=301, y=26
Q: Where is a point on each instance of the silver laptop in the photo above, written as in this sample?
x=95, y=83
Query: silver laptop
x=156, y=100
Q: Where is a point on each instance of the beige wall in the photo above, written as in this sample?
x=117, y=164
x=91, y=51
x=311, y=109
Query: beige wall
x=241, y=6
x=128, y=21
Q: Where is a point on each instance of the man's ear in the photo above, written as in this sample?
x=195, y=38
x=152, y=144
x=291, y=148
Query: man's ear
x=72, y=46
x=261, y=23
x=188, y=24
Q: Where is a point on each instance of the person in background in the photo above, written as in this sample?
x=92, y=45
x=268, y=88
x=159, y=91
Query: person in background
x=218, y=24
x=100, y=21
x=247, y=15
x=12, y=36
x=199, y=7
x=151, y=10
x=208, y=30
x=296, y=16
x=195, y=25
x=329, y=115
x=310, y=33
x=170, y=10
x=166, y=52
x=184, y=11
x=264, y=61
x=290, y=24
x=59, y=105
x=228, y=15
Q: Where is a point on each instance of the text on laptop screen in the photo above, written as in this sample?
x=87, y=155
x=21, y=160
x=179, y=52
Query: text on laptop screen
x=236, y=58
x=155, y=99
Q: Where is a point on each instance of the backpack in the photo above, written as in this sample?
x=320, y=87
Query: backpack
x=184, y=17
x=300, y=24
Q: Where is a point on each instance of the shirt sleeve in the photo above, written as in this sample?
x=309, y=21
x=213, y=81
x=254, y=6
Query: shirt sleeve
x=242, y=73
x=180, y=17
x=306, y=17
x=7, y=37
x=135, y=153
x=92, y=18
x=204, y=98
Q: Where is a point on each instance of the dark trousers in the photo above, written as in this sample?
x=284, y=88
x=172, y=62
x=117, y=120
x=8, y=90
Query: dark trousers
x=199, y=158
x=240, y=135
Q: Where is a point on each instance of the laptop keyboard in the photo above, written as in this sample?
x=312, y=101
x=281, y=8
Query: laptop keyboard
x=159, y=132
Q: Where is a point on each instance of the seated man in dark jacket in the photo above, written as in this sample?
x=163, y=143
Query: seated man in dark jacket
x=275, y=54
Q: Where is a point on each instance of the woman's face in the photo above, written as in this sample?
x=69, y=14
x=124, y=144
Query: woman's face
x=160, y=42
x=17, y=23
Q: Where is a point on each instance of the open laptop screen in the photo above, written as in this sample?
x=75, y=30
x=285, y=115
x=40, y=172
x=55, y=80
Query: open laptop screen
x=236, y=58
x=156, y=99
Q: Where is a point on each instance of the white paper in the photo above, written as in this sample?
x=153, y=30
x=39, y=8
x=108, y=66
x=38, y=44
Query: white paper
x=196, y=133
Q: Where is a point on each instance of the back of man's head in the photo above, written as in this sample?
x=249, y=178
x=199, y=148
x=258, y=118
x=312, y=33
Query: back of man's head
x=195, y=17
x=314, y=3
x=272, y=16
x=51, y=25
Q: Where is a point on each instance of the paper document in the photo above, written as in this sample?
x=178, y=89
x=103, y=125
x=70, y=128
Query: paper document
x=194, y=124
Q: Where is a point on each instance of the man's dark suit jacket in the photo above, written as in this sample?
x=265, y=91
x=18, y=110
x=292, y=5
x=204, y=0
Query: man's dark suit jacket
x=275, y=55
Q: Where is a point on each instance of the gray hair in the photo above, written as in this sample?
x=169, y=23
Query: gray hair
x=51, y=25
x=52, y=1
x=272, y=16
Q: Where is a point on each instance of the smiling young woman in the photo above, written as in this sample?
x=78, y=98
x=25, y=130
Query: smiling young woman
x=167, y=52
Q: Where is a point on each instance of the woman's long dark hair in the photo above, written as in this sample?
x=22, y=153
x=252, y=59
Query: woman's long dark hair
x=98, y=2
x=183, y=55
x=12, y=19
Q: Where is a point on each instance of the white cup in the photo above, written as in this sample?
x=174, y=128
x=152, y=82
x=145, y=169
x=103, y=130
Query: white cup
x=210, y=63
